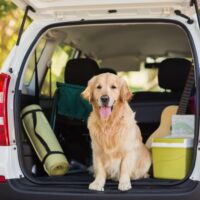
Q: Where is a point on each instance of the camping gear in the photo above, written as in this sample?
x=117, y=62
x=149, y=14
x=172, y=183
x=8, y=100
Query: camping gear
x=69, y=103
x=172, y=157
x=183, y=124
x=44, y=141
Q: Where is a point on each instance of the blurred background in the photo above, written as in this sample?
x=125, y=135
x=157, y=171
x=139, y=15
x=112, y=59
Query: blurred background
x=10, y=21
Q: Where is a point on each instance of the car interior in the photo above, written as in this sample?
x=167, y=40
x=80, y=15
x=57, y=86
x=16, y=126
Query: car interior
x=153, y=58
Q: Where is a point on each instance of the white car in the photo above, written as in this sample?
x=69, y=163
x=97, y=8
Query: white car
x=150, y=43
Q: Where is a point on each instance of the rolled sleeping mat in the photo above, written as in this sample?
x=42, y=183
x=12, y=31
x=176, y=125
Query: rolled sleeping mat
x=44, y=141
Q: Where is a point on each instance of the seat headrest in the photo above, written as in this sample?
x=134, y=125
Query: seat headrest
x=80, y=71
x=173, y=73
x=105, y=70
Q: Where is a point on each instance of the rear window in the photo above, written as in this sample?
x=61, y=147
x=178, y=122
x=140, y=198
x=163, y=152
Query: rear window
x=55, y=73
x=33, y=60
x=142, y=80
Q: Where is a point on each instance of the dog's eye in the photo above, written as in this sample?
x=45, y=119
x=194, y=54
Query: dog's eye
x=99, y=87
x=113, y=87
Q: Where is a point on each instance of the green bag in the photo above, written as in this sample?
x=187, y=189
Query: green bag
x=70, y=103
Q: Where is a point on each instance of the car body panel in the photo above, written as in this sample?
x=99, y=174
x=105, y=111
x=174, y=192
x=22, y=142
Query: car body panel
x=67, y=9
x=62, y=13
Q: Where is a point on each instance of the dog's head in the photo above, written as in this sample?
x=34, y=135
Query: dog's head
x=105, y=91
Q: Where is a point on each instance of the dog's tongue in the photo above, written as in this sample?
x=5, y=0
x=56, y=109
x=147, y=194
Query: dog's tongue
x=105, y=111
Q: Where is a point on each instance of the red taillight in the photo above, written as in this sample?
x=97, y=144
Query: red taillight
x=4, y=136
x=2, y=179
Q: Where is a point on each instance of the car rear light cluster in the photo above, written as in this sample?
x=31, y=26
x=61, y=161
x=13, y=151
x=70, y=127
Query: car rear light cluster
x=2, y=179
x=4, y=135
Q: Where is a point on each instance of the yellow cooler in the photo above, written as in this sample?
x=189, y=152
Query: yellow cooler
x=172, y=157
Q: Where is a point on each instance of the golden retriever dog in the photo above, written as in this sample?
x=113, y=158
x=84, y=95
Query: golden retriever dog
x=118, y=151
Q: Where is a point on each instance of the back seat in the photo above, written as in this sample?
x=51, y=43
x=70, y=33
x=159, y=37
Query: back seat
x=80, y=71
x=107, y=70
x=172, y=76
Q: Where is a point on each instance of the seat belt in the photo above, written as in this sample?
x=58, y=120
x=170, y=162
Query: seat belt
x=36, y=79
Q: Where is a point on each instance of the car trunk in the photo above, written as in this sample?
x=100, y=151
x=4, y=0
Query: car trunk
x=136, y=41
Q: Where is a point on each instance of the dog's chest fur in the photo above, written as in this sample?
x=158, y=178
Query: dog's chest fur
x=110, y=147
x=108, y=137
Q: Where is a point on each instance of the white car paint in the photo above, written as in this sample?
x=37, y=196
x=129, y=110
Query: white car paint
x=68, y=9
x=50, y=12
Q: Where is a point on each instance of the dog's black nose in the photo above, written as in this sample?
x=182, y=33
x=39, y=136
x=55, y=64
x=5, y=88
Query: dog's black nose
x=105, y=99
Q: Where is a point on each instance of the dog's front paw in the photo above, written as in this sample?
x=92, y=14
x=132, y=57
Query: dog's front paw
x=123, y=186
x=95, y=185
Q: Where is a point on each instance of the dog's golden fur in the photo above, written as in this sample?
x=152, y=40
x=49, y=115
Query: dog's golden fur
x=118, y=151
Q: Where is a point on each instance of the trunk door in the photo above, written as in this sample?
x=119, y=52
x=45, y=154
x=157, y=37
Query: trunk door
x=83, y=9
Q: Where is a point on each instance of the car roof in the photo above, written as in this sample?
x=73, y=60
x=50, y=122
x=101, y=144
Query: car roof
x=125, y=46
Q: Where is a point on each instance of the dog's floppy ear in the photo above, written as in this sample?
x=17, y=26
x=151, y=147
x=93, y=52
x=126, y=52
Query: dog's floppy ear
x=87, y=93
x=125, y=93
